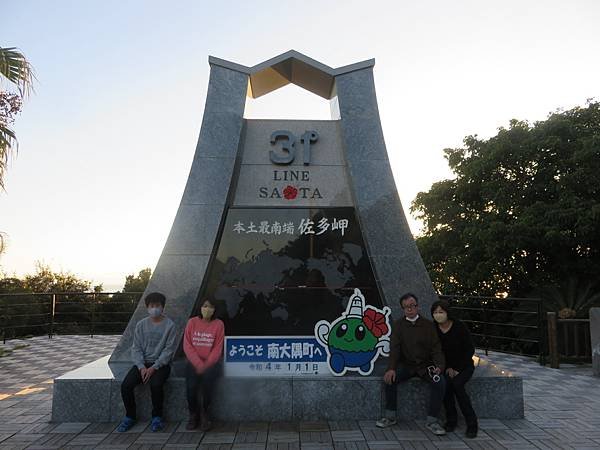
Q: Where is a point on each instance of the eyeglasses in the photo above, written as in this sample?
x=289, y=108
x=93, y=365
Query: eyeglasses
x=411, y=306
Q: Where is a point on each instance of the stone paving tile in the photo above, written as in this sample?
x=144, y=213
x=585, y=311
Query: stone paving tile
x=4, y=436
x=345, y=425
x=225, y=427
x=70, y=427
x=383, y=445
x=347, y=436
x=410, y=435
x=562, y=411
x=311, y=437
x=484, y=445
x=145, y=446
x=250, y=446
x=100, y=427
x=314, y=426
x=253, y=426
x=88, y=440
x=250, y=437
x=284, y=426
x=190, y=439
x=21, y=438
x=153, y=438
x=215, y=446
x=11, y=428
x=282, y=446
x=28, y=419
x=316, y=446
x=283, y=437
x=359, y=445
x=378, y=434
x=52, y=441
x=218, y=437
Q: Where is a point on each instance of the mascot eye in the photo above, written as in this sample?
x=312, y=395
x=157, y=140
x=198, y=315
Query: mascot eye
x=359, y=333
x=341, y=330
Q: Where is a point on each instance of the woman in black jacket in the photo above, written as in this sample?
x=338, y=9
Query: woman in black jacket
x=458, y=349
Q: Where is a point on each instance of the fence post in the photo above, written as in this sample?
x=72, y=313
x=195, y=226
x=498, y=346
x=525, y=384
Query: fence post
x=52, y=316
x=553, y=340
x=541, y=335
x=93, y=315
x=485, y=327
x=5, y=321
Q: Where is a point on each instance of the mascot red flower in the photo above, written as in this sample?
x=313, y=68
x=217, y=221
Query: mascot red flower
x=375, y=322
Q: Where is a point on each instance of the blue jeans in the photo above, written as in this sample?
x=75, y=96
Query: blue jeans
x=436, y=395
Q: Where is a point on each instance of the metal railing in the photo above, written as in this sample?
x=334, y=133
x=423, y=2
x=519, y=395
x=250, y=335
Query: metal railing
x=90, y=313
x=568, y=340
x=508, y=325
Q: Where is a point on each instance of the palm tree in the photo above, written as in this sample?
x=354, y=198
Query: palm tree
x=14, y=68
x=574, y=298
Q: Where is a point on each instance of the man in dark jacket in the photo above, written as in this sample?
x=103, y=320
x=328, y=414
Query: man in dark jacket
x=415, y=350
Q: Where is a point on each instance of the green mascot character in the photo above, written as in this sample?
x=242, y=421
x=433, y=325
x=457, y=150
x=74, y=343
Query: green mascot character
x=355, y=339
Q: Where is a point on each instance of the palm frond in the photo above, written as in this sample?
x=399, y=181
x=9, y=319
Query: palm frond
x=16, y=69
x=8, y=144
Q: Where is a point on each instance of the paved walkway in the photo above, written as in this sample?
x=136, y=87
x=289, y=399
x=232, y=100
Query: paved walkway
x=562, y=412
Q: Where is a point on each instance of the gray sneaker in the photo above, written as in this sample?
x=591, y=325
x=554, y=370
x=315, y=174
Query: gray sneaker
x=436, y=428
x=385, y=422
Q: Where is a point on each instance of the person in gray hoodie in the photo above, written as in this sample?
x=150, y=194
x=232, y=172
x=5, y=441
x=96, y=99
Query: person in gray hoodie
x=154, y=343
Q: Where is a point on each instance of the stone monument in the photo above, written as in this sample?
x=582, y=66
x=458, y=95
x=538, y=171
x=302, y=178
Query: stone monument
x=282, y=220
x=595, y=338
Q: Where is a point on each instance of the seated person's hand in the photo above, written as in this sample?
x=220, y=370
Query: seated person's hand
x=451, y=372
x=437, y=370
x=389, y=377
x=149, y=372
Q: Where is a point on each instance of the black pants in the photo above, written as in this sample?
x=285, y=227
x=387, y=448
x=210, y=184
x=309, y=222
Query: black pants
x=203, y=384
x=436, y=391
x=455, y=387
x=156, y=382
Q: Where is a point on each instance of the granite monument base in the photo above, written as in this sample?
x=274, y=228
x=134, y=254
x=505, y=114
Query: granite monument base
x=595, y=338
x=92, y=394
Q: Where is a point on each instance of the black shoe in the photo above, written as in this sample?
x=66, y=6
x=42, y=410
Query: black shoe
x=471, y=431
x=450, y=427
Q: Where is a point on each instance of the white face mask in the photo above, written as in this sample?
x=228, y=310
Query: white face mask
x=155, y=311
x=207, y=312
x=440, y=317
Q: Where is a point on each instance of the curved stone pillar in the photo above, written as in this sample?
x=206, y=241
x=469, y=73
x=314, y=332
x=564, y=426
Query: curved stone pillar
x=183, y=264
x=394, y=256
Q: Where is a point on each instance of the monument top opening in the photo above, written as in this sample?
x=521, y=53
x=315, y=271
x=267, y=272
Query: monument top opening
x=291, y=67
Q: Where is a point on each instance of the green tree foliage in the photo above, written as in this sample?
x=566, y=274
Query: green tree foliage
x=44, y=280
x=47, y=280
x=15, y=69
x=523, y=211
x=137, y=283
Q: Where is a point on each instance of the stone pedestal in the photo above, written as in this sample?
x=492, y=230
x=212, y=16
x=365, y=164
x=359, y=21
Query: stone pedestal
x=91, y=393
x=595, y=337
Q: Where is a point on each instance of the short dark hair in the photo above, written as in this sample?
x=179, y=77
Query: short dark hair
x=155, y=297
x=407, y=296
x=445, y=306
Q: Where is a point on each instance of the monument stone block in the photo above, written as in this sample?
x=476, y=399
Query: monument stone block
x=281, y=220
x=595, y=338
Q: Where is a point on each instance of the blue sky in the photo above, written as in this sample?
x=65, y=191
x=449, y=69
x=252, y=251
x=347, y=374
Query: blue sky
x=107, y=139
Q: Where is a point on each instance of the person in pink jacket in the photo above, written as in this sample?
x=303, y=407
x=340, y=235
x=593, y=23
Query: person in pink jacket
x=203, y=347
